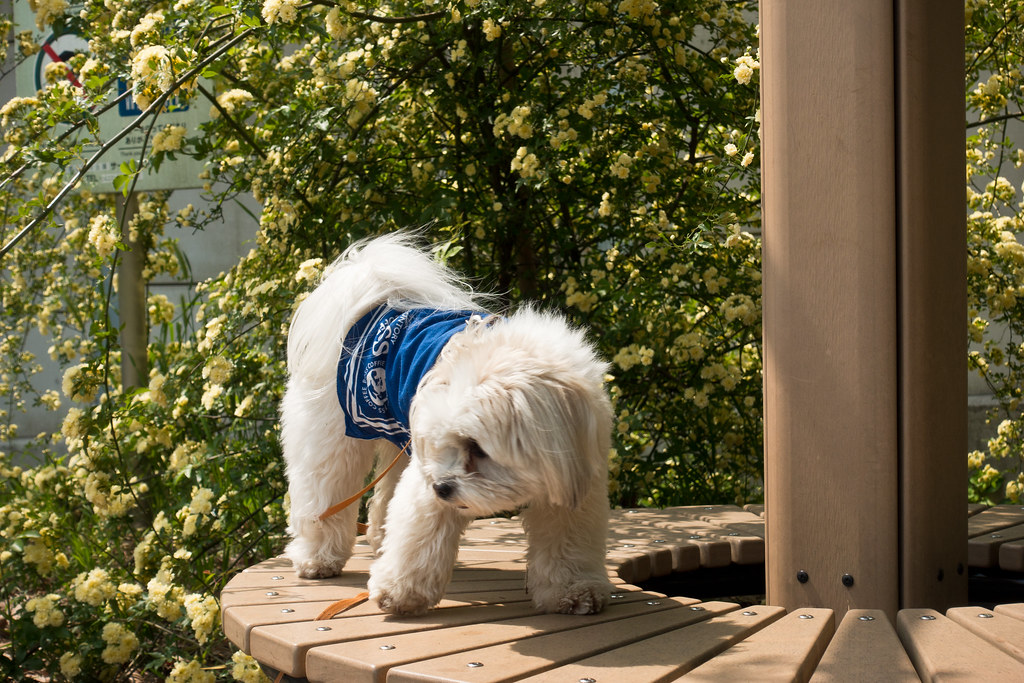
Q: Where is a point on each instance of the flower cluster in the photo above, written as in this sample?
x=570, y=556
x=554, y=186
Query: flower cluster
x=120, y=643
x=45, y=611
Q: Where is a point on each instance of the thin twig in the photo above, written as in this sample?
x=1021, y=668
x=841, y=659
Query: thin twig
x=73, y=128
x=1009, y=116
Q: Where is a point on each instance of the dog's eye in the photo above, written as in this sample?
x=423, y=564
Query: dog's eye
x=474, y=454
x=474, y=451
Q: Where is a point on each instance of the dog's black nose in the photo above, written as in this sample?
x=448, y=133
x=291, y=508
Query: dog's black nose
x=443, y=489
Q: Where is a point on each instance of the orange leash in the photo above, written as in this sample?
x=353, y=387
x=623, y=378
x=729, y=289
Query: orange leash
x=341, y=605
x=338, y=507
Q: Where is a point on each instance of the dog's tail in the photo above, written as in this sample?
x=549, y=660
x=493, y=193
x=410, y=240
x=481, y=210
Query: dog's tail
x=391, y=269
x=404, y=275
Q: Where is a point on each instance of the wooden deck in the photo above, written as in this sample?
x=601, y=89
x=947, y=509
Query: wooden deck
x=486, y=629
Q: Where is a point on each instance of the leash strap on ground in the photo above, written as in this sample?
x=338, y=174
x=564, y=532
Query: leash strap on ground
x=342, y=605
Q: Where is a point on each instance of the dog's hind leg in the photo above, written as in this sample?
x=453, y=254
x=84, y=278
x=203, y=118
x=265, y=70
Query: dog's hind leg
x=382, y=493
x=324, y=467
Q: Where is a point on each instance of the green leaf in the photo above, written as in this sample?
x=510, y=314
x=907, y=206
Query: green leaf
x=123, y=181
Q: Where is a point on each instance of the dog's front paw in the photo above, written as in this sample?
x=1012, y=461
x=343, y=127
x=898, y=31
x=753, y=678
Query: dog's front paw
x=581, y=597
x=401, y=600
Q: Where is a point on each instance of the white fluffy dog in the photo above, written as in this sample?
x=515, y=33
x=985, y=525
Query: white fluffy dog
x=500, y=413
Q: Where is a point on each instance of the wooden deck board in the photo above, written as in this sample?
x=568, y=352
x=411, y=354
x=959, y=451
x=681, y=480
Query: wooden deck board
x=708, y=526
x=993, y=519
x=671, y=654
x=942, y=650
x=864, y=645
x=515, y=658
x=1001, y=630
x=486, y=617
x=787, y=650
x=983, y=550
x=1011, y=556
x=285, y=646
x=375, y=656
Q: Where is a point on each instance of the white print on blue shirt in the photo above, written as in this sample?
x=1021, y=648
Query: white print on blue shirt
x=385, y=356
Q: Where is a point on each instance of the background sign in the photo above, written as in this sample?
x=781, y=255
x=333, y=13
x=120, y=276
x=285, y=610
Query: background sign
x=182, y=172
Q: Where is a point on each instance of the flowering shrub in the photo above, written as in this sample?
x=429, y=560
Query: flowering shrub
x=600, y=157
x=995, y=264
x=597, y=157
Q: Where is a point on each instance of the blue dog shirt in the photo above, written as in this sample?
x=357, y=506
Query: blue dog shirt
x=386, y=354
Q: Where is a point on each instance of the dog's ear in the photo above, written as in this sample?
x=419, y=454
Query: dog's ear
x=572, y=423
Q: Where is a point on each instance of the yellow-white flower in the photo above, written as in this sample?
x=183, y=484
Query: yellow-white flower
x=44, y=611
x=492, y=31
x=285, y=11
x=93, y=588
x=70, y=664
x=189, y=672
x=120, y=643
x=217, y=370
x=745, y=67
x=309, y=270
x=103, y=234
x=203, y=612
x=47, y=10
x=169, y=139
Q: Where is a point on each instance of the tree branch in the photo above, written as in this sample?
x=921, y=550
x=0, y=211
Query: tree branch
x=153, y=108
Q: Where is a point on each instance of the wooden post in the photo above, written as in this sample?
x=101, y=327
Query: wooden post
x=865, y=397
x=933, y=304
x=131, y=296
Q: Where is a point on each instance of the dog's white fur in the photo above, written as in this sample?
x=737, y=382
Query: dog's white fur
x=528, y=389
